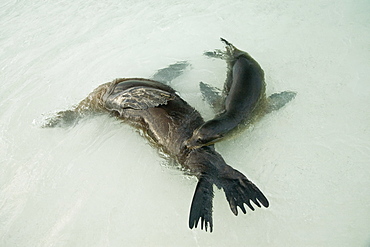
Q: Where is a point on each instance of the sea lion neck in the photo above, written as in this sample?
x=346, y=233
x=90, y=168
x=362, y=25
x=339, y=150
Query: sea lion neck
x=228, y=120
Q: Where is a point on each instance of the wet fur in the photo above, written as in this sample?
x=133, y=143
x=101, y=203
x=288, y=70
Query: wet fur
x=242, y=99
x=168, y=126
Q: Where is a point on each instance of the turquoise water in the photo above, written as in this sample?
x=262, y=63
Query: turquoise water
x=101, y=184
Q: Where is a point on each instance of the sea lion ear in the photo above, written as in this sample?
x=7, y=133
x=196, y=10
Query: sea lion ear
x=138, y=98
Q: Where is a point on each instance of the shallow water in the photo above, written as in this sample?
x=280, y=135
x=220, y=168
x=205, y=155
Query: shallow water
x=101, y=184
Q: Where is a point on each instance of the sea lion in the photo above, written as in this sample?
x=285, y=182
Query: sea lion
x=91, y=105
x=242, y=101
x=167, y=121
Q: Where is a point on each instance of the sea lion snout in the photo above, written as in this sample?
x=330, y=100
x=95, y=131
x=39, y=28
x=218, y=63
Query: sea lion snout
x=195, y=141
x=207, y=134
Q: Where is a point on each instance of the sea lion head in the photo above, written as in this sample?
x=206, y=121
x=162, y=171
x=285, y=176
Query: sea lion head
x=207, y=134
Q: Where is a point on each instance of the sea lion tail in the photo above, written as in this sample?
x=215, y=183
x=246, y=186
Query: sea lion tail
x=226, y=42
x=239, y=191
x=201, y=206
x=232, y=53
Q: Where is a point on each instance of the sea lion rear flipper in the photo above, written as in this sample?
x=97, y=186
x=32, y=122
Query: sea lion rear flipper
x=230, y=54
x=239, y=191
x=278, y=100
x=201, y=206
x=211, y=95
x=166, y=75
x=217, y=53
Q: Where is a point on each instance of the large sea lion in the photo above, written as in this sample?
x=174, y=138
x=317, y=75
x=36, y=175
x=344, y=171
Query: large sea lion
x=167, y=121
x=242, y=101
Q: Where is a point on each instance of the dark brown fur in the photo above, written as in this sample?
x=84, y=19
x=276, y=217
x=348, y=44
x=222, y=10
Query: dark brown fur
x=168, y=126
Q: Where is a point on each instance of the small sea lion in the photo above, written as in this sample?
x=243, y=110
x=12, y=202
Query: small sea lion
x=242, y=101
x=167, y=121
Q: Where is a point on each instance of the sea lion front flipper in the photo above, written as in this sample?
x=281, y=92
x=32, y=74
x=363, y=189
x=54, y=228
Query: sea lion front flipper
x=239, y=191
x=278, y=100
x=201, y=206
x=166, y=75
x=211, y=95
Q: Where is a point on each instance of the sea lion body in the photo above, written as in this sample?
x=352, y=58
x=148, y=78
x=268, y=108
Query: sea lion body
x=242, y=101
x=243, y=95
x=167, y=124
x=247, y=88
x=168, y=121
